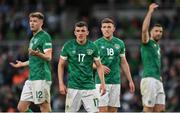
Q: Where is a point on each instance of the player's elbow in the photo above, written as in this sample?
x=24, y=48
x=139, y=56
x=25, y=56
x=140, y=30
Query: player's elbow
x=144, y=38
x=144, y=30
x=144, y=41
x=49, y=58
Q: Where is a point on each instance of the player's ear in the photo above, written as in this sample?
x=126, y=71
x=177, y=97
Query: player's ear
x=41, y=22
x=74, y=32
x=114, y=28
x=151, y=32
x=87, y=32
x=101, y=28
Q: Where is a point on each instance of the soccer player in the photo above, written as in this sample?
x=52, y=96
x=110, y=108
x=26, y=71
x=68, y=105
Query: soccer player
x=37, y=87
x=152, y=91
x=112, y=54
x=80, y=53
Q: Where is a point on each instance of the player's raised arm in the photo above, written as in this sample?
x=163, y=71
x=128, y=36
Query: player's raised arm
x=146, y=23
x=19, y=64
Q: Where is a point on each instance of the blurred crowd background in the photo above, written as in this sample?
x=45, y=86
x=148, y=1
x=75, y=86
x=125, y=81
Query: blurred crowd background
x=60, y=16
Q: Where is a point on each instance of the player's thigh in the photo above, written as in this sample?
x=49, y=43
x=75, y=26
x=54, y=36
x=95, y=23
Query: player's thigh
x=148, y=92
x=160, y=98
x=103, y=99
x=41, y=91
x=114, y=96
x=90, y=100
x=160, y=101
x=73, y=100
x=26, y=94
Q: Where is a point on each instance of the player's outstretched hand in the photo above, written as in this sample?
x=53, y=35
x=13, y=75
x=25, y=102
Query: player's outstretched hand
x=18, y=64
x=106, y=70
x=152, y=7
x=131, y=86
x=62, y=89
x=102, y=89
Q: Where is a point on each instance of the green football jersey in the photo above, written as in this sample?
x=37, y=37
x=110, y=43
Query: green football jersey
x=110, y=53
x=150, y=54
x=80, y=60
x=40, y=68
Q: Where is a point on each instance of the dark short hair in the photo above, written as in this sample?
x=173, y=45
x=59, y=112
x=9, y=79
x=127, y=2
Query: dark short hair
x=156, y=25
x=81, y=24
x=39, y=15
x=107, y=20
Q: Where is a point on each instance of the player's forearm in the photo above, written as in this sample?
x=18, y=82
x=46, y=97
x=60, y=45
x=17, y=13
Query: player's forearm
x=44, y=56
x=60, y=76
x=127, y=72
x=145, y=27
x=101, y=73
x=60, y=73
x=24, y=64
x=146, y=22
x=94, y=66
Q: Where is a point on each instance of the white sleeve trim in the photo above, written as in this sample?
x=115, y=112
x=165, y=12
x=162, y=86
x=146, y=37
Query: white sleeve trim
x=45, y=50
x=96, y=58
x=122, y=55
x=48, y=44
x=63, y=57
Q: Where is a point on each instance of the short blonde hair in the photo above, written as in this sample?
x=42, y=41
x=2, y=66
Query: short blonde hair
x=39, y=15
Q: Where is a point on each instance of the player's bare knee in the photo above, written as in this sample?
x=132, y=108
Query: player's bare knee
x=45, y=107
x=21, y=107
x=103, y=109
x=148, y=109
x=159, y=109
x=112, y=109
x=162, y=109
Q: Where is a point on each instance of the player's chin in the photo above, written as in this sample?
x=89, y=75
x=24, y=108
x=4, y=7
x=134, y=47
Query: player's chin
x=157, y=39
x=81, y=39
x=107, y=35
x=34, y=30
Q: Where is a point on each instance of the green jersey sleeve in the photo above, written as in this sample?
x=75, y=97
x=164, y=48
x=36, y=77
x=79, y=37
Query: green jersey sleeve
x=64, y=52
x=122, y=49
x=47, y=43
x=96, y=53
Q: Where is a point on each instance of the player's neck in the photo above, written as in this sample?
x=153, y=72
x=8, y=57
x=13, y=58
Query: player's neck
x=34, y=33
x=81, y=42
x=154, y=40
x=108, y=38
